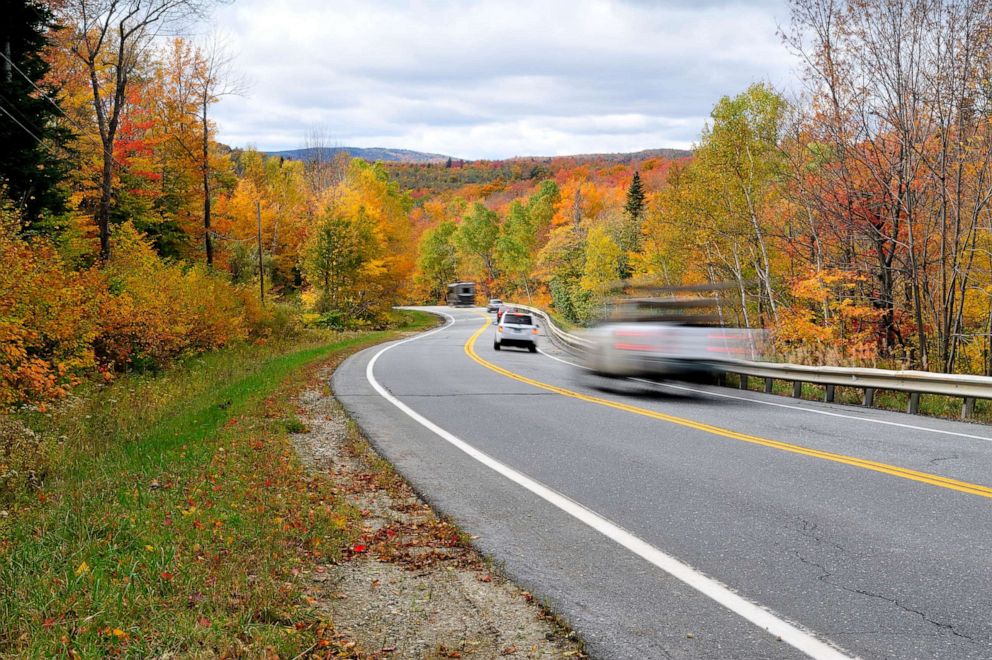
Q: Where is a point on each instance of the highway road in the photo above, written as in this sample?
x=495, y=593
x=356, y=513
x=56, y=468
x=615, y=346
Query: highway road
x=691, y=521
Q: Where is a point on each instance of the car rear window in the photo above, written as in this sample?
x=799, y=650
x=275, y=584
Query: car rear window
x=517, y=319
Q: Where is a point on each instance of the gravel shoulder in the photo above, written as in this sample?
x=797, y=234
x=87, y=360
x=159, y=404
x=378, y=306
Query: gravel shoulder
x=412, y=586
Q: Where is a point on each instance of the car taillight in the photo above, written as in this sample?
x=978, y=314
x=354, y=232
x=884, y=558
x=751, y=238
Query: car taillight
x=499, y=328
x=533, y=331
x=626, y=346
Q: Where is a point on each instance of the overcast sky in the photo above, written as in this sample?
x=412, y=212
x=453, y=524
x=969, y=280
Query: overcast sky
x=493, y=78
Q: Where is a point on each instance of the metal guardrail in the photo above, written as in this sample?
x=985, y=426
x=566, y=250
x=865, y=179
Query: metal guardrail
x=967, y=387
x=564, y=339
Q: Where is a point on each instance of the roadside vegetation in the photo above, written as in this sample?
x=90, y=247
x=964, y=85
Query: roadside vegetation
x=170, y=513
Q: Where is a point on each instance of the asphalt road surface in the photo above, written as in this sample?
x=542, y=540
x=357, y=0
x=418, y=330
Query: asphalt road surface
x=692, y=521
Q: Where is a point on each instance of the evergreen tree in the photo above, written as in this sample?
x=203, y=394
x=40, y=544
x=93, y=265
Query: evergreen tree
x=635, y=199
x=629, y=234
x=34, y=141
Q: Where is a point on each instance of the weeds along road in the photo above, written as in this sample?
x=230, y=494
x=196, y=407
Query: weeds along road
x=701, y=522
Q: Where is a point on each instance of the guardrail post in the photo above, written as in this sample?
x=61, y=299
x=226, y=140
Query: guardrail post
x=914, y=403
x=968, y=408
x=945, y=385
x=869, y=399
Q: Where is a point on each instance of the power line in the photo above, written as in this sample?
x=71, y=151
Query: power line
x=79, y=127
x=23, y=127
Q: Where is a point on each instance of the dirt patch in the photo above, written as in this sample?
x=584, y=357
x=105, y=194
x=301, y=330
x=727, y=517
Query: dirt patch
x=412, y=586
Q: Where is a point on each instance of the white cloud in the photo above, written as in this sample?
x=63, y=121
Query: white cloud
x=493, y=78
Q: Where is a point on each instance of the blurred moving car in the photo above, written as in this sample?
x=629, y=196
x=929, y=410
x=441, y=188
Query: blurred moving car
x=665, y=338
x=494, y=305
x=516, y=329
x=501, y=310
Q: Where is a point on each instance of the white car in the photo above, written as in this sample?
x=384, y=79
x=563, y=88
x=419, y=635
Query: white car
x=494, y=304
x=516, y=329
x=665, y=338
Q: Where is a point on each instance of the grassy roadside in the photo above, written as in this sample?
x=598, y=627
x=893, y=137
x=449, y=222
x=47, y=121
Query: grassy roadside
x=176, y=514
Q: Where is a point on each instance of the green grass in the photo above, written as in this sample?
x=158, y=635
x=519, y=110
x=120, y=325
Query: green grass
x=175, y=515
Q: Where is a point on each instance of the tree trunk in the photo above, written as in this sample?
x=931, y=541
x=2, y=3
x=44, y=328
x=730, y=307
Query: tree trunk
x=103, y=210
x=207, y=238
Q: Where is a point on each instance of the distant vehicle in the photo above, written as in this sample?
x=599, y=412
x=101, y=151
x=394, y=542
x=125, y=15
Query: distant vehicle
x=503, y=309
x=516, y=329
x=461, y=294
x=494, y=305
x=664, y=338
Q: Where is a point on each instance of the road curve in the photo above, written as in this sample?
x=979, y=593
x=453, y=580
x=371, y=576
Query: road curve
x=682, y=521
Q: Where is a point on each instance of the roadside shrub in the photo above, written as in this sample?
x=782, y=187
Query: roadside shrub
x=48, y=318
x=157, y=311
x=274, y=320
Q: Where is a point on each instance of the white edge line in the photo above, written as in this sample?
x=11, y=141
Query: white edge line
x=717, y=591
x=791, y=407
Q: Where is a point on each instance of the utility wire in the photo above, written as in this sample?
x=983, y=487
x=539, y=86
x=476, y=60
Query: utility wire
x=23, y=127
x=79, y=127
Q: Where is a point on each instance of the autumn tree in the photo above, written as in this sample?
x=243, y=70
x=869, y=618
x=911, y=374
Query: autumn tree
x=602, y=262
x=561, y=266
x=901, y=133
x=334, y=257
x=476, y=238
x=541, y=209
x=112, y=40
x=277, y=186
x=367, y=189
x=323, y=168
x=724, y=204
x=437, y=264
x=212, y=80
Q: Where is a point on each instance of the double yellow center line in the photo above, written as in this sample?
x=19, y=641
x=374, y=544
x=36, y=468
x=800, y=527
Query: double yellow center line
x=865, y=464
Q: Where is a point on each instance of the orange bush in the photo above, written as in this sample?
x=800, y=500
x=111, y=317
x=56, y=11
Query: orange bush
x=48, y=318
x=824, y=325
x=156, y=311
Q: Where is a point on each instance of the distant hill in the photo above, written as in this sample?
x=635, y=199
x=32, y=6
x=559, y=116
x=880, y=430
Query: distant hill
x=371, y=154
x=496, y=176
x=627, y=157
